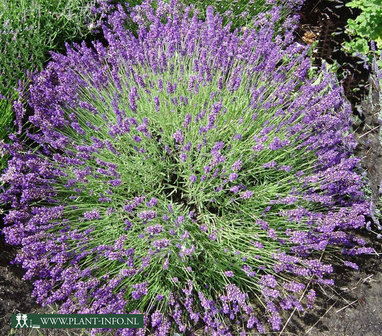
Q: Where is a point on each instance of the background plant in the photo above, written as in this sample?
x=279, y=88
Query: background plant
x=190, y=173
x=365, y=28
x=242, y=12
x=6, y=117
x=29, y=31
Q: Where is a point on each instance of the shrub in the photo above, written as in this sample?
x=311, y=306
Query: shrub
x=365, y=28
x=191, y=174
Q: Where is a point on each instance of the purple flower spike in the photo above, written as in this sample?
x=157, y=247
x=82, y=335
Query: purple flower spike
x=91, y=215
x=178, y=136
x=246, y=194
x=236, y=166
x=229, y=274
x=139, y=290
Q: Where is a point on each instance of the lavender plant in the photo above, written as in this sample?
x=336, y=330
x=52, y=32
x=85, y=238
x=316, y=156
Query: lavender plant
x=191, y=174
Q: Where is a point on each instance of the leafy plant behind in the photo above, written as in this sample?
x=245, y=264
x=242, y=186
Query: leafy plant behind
x=366, y=27
x=29, y=30
x=241, y=12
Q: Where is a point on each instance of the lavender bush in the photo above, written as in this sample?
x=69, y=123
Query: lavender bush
x=191, y=174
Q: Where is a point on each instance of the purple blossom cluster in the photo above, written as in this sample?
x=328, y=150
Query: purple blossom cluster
x=181, y=173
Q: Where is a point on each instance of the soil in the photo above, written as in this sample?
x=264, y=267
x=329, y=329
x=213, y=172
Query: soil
x=15, y=294
x=354, y=306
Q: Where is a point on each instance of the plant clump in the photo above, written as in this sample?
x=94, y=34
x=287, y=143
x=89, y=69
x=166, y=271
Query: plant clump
x=192, y=174
x=365, y=28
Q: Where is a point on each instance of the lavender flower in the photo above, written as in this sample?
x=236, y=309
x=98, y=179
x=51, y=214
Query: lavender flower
x=178, y=136
x=139, y=291
x=91, y=215
x=236, y=166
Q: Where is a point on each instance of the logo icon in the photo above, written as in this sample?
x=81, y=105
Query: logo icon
x=22, y=322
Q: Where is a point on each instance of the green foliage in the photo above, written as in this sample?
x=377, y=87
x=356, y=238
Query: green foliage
x=366, y=27
x=6, y=117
